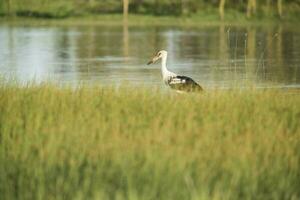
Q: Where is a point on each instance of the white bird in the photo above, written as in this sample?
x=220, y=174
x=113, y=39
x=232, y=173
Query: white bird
x=181, y=83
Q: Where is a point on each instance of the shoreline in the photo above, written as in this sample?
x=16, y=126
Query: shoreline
x=140, y=20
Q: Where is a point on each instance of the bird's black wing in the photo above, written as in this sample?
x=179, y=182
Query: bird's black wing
x=184, y=83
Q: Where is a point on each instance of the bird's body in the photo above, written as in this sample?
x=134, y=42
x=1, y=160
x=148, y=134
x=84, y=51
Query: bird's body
x=184, y=83
x=177, y=82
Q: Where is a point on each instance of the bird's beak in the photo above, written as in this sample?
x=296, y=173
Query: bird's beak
x=150, y=62
x=153, y=60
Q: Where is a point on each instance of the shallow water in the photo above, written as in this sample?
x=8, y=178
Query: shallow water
x=218, y=56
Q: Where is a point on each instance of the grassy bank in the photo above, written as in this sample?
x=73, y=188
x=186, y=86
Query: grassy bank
x=201, y=19
x=104, y=143
x=67, y=8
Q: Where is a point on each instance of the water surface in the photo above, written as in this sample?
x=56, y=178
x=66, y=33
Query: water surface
x=217, y=56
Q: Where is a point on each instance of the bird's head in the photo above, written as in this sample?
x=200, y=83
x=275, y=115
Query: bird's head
x=158, y=56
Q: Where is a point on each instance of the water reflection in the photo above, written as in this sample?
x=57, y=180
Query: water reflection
x=214, y=56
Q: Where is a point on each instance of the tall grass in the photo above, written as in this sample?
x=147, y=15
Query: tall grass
x=137, y=143
x=66, y=8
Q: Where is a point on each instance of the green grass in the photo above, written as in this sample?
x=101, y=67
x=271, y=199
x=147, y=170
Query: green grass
x=142, y=143
x=205, y=18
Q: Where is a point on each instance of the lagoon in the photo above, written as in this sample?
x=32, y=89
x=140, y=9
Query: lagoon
x=215, y=56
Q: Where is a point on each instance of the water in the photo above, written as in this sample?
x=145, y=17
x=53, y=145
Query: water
x=217, y=56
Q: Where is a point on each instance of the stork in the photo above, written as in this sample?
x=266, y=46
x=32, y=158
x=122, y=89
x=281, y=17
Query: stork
x=179, y=83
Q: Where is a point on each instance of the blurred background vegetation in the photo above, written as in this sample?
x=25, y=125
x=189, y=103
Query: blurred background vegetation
x=285, y=9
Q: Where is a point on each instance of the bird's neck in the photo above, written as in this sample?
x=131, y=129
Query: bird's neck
x=164, y=69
